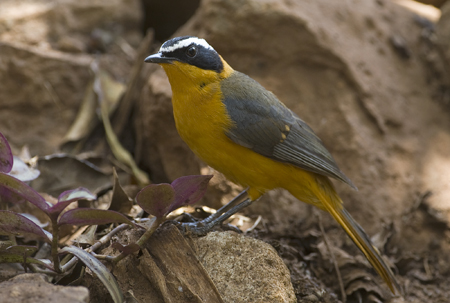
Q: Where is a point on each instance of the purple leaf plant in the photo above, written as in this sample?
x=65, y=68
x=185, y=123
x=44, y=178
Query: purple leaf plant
x=161, y=199
x=12, y=190
x=156, y=199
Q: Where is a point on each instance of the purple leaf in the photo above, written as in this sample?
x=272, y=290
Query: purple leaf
x=90, y=216
x=12, y=223
x=189, y=190
x=76, y=194
x=68, y=197
x=11, y=184
x=7, y=196
x=161, y=199
x=156, y=199
x=35, y=220
x=99, y=269
x=6, y=157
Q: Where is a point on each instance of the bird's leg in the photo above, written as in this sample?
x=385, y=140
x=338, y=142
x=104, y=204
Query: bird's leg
x=235, y=201
x=203, y=227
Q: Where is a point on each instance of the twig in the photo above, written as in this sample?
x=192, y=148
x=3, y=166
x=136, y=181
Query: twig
x=102, y=257
x=66, y=267
x=106, y=238
x=36, y=269
x=254, y=225
x=336, y=267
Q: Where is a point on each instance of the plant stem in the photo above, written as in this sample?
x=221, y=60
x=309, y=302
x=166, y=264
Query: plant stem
x=144, y=238
x=55, y=232
x=36, y=269
x=68, y=265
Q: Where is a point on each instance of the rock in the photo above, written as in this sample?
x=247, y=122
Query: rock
x=42, y=23
x=443, y=30
x=41, y=90
x=27, y=288
x=244, y=269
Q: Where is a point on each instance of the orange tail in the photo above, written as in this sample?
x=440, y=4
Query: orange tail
x=363, y=242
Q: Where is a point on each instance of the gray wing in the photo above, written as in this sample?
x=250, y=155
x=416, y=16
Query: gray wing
x=265, y=125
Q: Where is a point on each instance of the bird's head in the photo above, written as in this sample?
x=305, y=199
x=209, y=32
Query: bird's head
x=190, y=58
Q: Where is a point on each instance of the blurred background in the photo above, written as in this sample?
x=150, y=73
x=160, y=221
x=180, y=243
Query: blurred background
x=370, y=77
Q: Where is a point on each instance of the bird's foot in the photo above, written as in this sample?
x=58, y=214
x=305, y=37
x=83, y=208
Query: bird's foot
x=201, y=228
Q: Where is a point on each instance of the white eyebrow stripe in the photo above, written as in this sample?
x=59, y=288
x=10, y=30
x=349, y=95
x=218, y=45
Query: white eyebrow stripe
x=184, y=43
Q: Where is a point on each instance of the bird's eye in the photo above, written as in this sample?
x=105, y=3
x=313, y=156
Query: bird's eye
x=191, y=51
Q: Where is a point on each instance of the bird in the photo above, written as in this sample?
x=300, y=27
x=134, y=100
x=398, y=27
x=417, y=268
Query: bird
x=244, y=131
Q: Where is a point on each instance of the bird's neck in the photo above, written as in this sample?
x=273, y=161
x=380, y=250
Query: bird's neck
x=189, y=79
x=197, y=103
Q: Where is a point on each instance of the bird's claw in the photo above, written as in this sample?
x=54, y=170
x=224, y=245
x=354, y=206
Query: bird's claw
x=194, y=228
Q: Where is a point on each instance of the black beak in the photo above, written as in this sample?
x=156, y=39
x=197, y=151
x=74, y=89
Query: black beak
x=158, y=58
